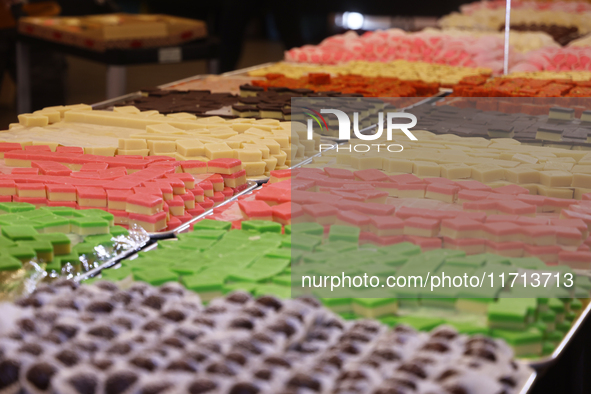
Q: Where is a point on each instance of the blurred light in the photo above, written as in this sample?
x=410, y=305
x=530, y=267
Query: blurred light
x=353, y=20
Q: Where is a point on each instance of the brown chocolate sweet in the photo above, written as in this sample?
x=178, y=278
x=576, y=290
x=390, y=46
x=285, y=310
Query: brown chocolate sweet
x=84, y=383
x=181, y=365
x=244, y=388
x=9, y=371
x=119, y=382
x=100, y=307
x=301, y=380
x=40, y=374
x=144, y=362
x=68, y=357
x=270, y=302
x=104, y=332
x=202, y=386
x=238, y=297
x=156, y=388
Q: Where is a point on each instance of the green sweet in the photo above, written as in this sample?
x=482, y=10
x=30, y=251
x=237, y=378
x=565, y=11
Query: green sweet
x=48, y=222
x=469, y=328
x=208, y=234
x=66, y=212
x=40, y=247
x=115, y=274
x=12, y=207
x=5, y=242
x=9, y=263
x=84, y=249
x=155, y=276
x=280, y=254
x=403, y=249
x=36, y=214
x=528, y=262
x=287, y=229
x=303, y=241
x=279, y=291
x=310, y=228
x=467, y=261
x=515, y=338
x=208, y=224
x=54, y=266
x=118, y=230
x=241, y=286
x=95, y=213
x=23, y=253
x=338, y=246
x=202, y=283
x=282, y=280
x=421, y=323
x=71, y=258
x=496, y=259
x=19, y=232
x=90, y=222
x=319, y=257
x=262, y=226
x=344, y=233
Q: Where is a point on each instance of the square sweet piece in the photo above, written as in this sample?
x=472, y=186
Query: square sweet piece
x=550, y=133
x=150, y=223
x=56, y=192
x=190, y=148
x=502, y=232
x=560, y=113
x=94, y=197
x=89, y=226
x=194, y=167
x=421, y=227
x=7, y=188
x=224, y=166
x=487, y=172
x=411, y=190
x=386, y=226
x=145, y=204
x=32, y=190
x=256, y=210
x=461, y=228
x=218, y=150
x=392, y=164
x=426, y=168
x=556, y=178
x=442, y=192
x=456, y=171
x=324, y=214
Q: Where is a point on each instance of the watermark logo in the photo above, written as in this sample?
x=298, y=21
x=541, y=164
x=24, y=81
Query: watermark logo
x=345, y=124
x=317, y=117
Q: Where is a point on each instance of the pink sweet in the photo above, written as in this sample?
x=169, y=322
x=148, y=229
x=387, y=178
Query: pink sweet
x=511, y=189
x=339, y=173
x=370, y=175
x=470, y=195
x=354, y=218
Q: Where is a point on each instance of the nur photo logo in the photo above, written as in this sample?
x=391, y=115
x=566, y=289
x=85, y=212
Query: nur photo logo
x=344, y=123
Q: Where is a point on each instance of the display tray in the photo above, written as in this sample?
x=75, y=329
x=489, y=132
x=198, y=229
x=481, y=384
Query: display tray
x=185, y=226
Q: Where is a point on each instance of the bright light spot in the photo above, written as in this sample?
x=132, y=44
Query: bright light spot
x=353, y=20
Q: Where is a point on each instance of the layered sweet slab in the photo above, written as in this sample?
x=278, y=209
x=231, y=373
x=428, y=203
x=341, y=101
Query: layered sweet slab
x=121, y=185
x=261, y=145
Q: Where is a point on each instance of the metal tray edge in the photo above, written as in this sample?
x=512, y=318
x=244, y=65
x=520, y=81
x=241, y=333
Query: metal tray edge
x=528, y=384
x=546, y=361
